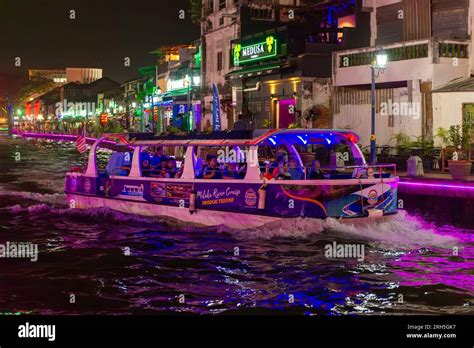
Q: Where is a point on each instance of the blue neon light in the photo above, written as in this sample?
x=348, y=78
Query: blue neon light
x=302, y=140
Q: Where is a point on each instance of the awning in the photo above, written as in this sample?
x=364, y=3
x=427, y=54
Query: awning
x=463, y=86
x=183, y=92
x=255, y=71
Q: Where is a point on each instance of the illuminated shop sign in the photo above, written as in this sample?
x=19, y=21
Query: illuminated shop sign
x=246, y=52
x=173, y=85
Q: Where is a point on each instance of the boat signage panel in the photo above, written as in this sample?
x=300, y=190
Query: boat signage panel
x=178, y=191
x=158, y=189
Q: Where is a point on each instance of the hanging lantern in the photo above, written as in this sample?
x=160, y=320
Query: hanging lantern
x=103, y=119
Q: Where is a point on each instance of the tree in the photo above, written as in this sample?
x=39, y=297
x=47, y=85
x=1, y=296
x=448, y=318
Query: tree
x=196, y=11
x=37, y=85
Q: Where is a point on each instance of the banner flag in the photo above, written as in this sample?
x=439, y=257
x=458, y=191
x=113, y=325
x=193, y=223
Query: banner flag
x=216, y=109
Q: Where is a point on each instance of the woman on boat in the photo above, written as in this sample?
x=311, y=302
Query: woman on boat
x=294, y=169
x=316, y=172
x=280, y=172
x=283, y=173
x=272, y=170
x=145, y=160
x=231, y=172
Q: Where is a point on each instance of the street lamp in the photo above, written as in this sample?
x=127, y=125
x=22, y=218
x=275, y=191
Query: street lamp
x=378, y=65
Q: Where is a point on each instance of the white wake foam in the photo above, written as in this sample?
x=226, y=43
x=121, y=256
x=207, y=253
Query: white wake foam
x=400, y=230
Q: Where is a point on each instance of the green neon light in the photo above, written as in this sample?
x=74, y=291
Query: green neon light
x=270, y=47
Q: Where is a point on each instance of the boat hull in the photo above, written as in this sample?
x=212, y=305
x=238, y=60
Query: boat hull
x=234, y=203
x=200, y=217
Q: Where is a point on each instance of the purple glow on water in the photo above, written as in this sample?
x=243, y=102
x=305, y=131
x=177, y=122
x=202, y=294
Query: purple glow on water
x=404, y=255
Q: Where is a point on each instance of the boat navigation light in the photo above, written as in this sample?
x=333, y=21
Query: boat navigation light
x=351, y=137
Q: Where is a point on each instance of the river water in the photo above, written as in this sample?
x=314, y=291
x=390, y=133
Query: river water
x=103, y=262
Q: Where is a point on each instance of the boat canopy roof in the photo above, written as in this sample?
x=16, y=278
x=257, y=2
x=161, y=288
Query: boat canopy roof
x=239, y=138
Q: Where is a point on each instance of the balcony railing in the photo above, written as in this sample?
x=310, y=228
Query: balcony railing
x=453, y=50
x=407, y=51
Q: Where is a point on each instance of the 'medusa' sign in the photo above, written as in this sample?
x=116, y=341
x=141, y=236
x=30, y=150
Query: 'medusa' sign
x=246, y=52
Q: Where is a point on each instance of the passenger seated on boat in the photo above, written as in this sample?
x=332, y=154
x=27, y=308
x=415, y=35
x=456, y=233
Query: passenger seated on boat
x=281, y=152
x=157, y=158
x=280, y=172
x=199, y=168
x=295, y=170
x=316, y=173
x=271, y=170
x=161, y=169
x=360, y=173
x=171, y=169
x=370, y=173
x=283, y=173
x=213, y=170
x=145, y=161
x=231, y=171
x=180, y=171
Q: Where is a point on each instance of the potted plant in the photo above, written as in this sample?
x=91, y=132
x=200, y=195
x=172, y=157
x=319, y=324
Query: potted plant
x=460, y=138
x=443, y=135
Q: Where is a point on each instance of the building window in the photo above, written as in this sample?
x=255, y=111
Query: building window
x=391, y=121
x=209, y=25
x=221, y=21
x=262, y=13
x=222, y=4
x=210, y=5
x=219, y=61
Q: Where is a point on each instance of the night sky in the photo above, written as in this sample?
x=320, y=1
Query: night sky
x=103, y=33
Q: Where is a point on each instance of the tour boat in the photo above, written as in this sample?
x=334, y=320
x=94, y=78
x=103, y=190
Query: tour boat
x=347, y=187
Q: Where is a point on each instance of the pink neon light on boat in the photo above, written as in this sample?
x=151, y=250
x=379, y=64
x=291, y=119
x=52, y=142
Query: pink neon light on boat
x=437, y=185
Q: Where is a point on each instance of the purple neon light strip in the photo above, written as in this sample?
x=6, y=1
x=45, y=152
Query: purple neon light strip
x=62, y=136
x=437, y=185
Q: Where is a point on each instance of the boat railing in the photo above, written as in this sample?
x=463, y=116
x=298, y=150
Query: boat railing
x=358, y=171
x=379, y=167
x=329, y=172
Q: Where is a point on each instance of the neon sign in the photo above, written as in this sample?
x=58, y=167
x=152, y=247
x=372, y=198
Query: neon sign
x=244, y=53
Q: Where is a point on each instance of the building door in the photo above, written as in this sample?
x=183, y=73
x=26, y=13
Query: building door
x=468, y=115
x=286, y=112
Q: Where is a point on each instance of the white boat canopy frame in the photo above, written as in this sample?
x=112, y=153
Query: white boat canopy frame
x=287, y=137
